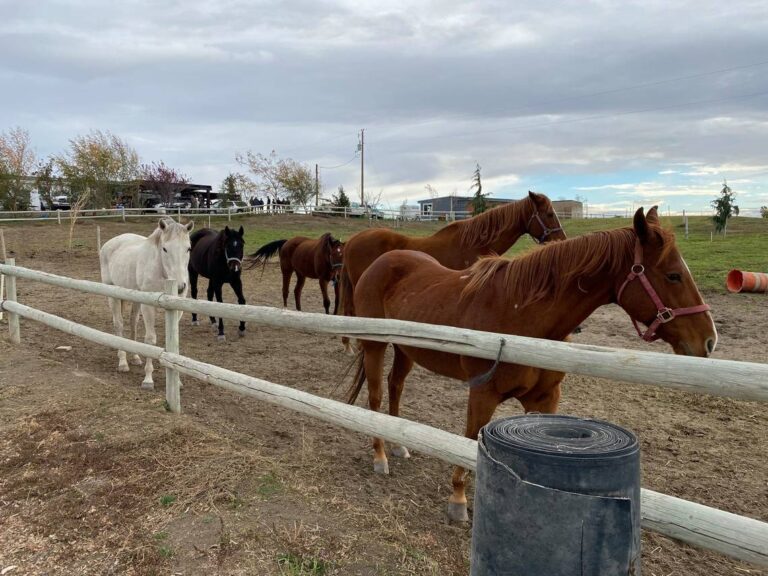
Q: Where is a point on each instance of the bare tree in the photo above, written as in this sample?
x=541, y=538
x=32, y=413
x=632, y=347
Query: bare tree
x=17, y=165
x=265, y=169
x=163, y=180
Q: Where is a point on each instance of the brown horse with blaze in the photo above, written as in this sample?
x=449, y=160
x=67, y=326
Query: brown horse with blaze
x=543, y=294
x=455, y=246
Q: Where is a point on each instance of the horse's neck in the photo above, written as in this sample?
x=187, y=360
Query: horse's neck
x=150, y=272
x=508, y=235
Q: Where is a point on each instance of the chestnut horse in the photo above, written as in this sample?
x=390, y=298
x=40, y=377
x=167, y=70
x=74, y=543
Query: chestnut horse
x=543, y=294
x=310, y=258
x=455, y=246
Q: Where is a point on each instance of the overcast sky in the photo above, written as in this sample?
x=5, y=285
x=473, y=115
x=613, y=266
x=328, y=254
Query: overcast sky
x=616, y=102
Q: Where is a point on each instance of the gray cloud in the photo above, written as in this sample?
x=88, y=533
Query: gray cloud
x=532, y=91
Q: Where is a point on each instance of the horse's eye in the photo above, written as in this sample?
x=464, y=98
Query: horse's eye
x=164, y=250
x=674, y=277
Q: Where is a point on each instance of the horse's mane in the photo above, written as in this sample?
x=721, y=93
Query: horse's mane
x=483, y=229
x=551, y=268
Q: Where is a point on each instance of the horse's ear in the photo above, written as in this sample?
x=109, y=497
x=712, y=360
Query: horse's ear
x=640, y=224
x=226, y=231
x=190, y=225
x=241, y=231
x=536, y=198
x=653, y=216
x=162, y=224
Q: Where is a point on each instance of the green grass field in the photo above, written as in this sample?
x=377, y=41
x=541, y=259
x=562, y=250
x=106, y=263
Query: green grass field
x=745, y=246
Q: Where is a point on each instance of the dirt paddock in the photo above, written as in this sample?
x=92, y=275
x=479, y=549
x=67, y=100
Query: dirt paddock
x=97, y=478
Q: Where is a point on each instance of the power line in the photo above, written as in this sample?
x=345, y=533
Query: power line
x=340, y=165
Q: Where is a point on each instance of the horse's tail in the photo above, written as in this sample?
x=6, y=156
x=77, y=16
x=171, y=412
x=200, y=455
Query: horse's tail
x=265, y=253
x=359, y=379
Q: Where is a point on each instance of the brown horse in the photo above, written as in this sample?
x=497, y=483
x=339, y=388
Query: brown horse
x=310, y=258
x=455, y=246
x=543, y=294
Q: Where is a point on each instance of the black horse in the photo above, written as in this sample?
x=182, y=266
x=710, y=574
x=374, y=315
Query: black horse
x=217, y=256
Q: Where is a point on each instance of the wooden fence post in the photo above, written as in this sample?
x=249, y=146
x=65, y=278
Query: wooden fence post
x=58, y=216
x=98, y=239
x=123, y=211
x=13, y=319
x=229, y=214
x=172, y=381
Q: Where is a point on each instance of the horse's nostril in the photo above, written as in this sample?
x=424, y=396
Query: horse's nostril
x=710, y=344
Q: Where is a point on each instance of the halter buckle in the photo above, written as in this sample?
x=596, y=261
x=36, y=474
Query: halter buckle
x=666, y=315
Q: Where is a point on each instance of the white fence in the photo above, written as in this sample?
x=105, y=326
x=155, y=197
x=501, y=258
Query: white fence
x=736, y=536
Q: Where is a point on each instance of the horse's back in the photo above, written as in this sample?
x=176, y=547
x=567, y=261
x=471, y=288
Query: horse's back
x=200, y=257
x=118, y=255
x=362, y=249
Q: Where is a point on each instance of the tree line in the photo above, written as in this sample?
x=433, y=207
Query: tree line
x=100, y=169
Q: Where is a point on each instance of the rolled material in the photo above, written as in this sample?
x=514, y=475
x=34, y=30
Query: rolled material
x=740, y=281
x=556, y=495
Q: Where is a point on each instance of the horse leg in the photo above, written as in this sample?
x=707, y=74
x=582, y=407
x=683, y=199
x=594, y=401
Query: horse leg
x=482, y=403
x=117, y=321
x=373, y=362
x=297, y=290
x=193, y=292
x=211, y=291
x=545, y=396
x=286, y=285
x=336, y=296
x=135, y=307
x=326, y=300
x=150, y=337
x=220, y=337
x=401, y=366
x=237, y=286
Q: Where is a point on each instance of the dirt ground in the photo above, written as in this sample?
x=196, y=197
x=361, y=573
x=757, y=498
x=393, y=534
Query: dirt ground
x=97, y=478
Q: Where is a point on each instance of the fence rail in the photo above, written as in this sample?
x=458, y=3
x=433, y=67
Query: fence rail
x=736, y=536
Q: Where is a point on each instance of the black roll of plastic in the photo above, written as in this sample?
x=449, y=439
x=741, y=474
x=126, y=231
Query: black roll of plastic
x=556, y=496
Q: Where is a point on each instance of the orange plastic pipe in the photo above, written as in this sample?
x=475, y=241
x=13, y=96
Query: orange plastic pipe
x=739, y=281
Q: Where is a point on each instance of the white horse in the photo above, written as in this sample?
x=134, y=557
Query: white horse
x=144, y=263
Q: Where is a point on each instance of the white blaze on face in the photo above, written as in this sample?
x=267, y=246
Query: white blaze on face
x=708, y=313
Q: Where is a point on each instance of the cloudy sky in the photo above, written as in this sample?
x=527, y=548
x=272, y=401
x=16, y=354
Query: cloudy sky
x=620, y=103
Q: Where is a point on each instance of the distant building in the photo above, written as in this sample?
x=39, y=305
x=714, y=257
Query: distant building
x=462, y=205
x=568, y=209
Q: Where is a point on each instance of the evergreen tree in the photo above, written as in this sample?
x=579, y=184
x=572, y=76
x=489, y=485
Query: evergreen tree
x=479, y=204
x=724, y=208
x=341, y=199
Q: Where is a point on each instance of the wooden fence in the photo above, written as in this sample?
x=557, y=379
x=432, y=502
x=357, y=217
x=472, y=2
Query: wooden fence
x=736, y=536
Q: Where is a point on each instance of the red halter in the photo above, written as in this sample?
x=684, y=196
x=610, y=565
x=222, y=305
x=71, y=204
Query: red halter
x=664, y=314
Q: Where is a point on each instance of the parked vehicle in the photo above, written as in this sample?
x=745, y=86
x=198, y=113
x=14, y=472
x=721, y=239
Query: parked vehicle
x=172, y=207
x=223, y=206
x=58, y=203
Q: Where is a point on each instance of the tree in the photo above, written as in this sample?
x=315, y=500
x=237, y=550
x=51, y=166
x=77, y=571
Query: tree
x=99, y=165
x=17, y=164
x=341, y=200
x=296, y=181
x=479, y=204
x=46, y=181
x=764, y=211
x=431, y=190
x=163, y=180
x=265, y=168
x=724, y=208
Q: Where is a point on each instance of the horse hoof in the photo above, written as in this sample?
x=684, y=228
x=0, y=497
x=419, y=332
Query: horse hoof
x=400, y=452
x=457, y=513
x=241, y=333
x=221, y=338
x=123, y=368
x=147, y=385
x=195, y=323
x=381, y=467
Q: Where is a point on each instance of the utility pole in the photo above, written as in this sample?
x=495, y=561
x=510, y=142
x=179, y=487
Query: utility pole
x=362, y=168
x=317, y=187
